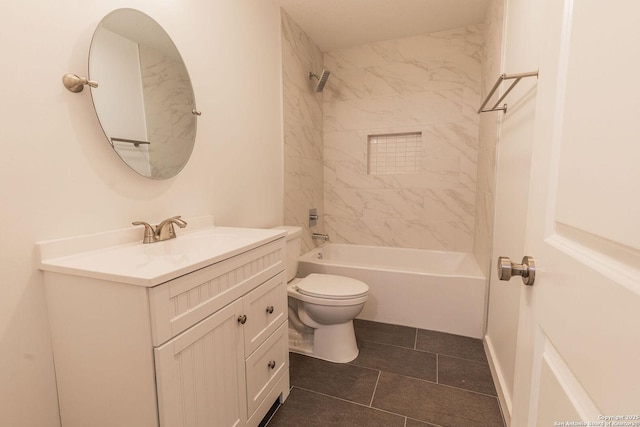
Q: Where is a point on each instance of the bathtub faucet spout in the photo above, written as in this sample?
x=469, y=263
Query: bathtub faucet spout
x=320, y=236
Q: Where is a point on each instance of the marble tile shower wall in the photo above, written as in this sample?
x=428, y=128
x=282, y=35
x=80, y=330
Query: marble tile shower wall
x=489, y=125
x=429, y=84
x=302, y=118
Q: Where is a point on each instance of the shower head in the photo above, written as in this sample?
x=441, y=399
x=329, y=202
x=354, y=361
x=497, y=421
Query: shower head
x=322, y=80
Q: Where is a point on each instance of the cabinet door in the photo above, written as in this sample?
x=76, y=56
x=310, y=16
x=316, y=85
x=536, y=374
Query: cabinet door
x=200, y=374
x=266, y=308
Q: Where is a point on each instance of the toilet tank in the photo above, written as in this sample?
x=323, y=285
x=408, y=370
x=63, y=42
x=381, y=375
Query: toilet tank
x=293, y=249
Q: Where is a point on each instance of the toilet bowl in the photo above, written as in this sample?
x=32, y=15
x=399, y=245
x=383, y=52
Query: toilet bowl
x=321, y=309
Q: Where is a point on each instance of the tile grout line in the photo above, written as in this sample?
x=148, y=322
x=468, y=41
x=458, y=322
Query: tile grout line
x=465, y=359
x=395, y=346
x=437, y=356
x=428, y=422
x=467, y=390
x=379, y=409
x=349, y=401
x=445, y=385
x=425, y=351
x=375, y=388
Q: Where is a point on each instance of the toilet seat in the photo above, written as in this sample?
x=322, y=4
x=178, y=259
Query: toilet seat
x=330, y=286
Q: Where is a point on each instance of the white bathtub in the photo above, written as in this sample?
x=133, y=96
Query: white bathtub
x=440, y=291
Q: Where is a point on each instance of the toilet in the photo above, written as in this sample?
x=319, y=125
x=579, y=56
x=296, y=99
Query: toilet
x=321, y=309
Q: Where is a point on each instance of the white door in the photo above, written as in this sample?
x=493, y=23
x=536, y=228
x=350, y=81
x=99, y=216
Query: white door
x=578, y=352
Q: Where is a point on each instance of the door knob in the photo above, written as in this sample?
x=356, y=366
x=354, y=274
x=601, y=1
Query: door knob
x=507, y=269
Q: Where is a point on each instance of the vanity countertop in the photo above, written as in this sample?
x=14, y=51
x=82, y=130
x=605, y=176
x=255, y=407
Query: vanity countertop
x=148, y=265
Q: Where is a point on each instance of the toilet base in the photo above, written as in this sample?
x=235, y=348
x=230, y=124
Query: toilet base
x=300, y=342
x=333, y=343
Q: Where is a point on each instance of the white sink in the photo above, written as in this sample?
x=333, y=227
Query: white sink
x=193, y=243
x=149, y=264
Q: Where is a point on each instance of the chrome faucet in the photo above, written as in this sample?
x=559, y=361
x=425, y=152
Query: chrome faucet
x=162, y=231
x=320, y=236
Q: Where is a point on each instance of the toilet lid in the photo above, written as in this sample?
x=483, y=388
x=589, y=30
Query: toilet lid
x=332, y=287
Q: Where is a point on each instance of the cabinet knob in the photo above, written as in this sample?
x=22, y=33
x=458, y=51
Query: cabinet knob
x=272, y=364
x=242, y=319
x=270, y=309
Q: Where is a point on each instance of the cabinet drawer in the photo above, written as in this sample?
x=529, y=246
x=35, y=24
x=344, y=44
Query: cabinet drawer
x=180, y=303
x=265, y=366
x=265, y=308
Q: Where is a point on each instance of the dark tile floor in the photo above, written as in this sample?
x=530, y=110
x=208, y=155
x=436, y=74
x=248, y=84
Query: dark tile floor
x=404, y=377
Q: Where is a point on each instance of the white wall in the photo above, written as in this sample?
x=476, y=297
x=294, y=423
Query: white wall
x=60, y=177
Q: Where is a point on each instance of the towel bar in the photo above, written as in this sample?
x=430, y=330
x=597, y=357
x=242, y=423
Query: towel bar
x=516, y=78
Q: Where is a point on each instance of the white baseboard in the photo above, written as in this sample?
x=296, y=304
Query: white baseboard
x=498, y=380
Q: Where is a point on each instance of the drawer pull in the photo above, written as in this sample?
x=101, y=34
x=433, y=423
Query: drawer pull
x=242, y=319
x=270, y=309
x=272, y=364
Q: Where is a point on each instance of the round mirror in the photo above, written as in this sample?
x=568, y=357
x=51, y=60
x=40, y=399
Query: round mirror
x=144, y=99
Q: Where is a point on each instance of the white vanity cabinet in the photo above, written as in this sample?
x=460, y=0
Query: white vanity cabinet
x=206, y=348
x=226, y=361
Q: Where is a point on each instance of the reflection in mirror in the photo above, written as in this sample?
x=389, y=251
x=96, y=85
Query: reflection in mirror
x=145, y=101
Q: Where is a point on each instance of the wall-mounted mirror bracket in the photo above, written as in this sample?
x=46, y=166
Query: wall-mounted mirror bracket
x=75, y=83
